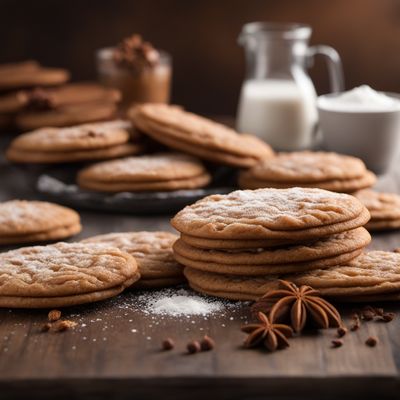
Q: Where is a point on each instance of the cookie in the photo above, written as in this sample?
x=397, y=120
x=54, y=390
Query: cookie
x=372, y=276
x=53, y=98
x=13, y=102
x=22, y=66
x=229, y=244
x=329, y=171
x=29, y=74
x=328, y=247
x=23, y=221
x=383, y=207
x=295, y=213
x=199, y=136
x=373, y=273
x=63, y=274
x=93, y=141
x=152, y=252
x=345, y=186
x=263, y=270
x=164, y=172
x=72, y=114
x=232, y=287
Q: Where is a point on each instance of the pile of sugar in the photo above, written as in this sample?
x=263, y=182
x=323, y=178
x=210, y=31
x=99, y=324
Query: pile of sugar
x=179, y=303
x=360, y=99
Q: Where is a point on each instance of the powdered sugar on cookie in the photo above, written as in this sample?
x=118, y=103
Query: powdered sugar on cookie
x=63, y=269
x=251, y=214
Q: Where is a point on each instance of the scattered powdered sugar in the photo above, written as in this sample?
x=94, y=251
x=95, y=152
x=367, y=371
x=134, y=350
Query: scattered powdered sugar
x=179, y=302
x=50, y=184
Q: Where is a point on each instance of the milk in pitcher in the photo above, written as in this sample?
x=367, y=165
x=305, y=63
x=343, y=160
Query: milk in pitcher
x=278, y=99
x=279, y=111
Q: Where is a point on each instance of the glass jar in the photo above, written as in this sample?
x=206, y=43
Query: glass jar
x=278, y=99
x=150, y=84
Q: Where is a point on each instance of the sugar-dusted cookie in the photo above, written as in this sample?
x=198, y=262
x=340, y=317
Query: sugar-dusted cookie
x=63, y=274
x=29, y=74
x=152, y=252
x=198, y=136
x=328, y=251
x=99, y=140
x=23, y=221
x=164, y=172
x=288, y=214
x=383, y=207
x=330, y=171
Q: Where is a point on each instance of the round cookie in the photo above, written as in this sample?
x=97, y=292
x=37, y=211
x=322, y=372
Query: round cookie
x=383, y=207
x=72, y=93
x=22, y=66
x=23, y=221
x=164, y=171
x=63, y=274
x=342, y=186
x=72, y=114
x=372, y=276
x=229, y=286
x=228, y=244
x=93, y=141
x=80, y=137
x=329, y=171
x=51, y=98
x=295, y=213
x=152, y=252
x=327, y=247
x=199, y=136
x=13, y=102
x=30, y=74
x=373, y=273
x=308, y=167
x=46, y=236
x=49, y=157
x=262, y=270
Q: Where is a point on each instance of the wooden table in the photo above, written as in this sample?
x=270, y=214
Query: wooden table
x=115, y=350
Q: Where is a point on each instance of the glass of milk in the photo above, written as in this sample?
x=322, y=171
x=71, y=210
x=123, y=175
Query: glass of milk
x=278, y=99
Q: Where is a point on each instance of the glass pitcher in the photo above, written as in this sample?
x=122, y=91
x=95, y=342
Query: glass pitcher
x=278, y=99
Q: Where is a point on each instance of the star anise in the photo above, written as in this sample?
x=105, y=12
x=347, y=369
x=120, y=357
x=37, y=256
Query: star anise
x=272, y=336
x=299, y=304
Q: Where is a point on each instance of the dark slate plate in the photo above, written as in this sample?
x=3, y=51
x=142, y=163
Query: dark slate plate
x=58, y=184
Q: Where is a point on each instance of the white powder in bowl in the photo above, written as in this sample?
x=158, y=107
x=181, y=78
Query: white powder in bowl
x=360, y=99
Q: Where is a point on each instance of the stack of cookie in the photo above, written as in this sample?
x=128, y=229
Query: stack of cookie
x=72, y=104
x=156, y=172
x=32, y=96
x=23, y=75
x=95, y=141
x=330, y=171
x=231, y=243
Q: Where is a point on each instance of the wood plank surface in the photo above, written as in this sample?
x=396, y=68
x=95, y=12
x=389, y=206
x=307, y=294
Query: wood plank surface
x=115, y=350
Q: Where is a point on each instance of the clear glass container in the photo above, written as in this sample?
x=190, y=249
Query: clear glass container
x=278, y=99
x=150, y=84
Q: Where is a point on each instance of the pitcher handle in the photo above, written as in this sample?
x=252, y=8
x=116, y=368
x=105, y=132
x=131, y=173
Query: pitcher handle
x=334, y=63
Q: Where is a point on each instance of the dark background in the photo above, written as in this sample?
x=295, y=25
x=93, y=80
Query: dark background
x=201, y=35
